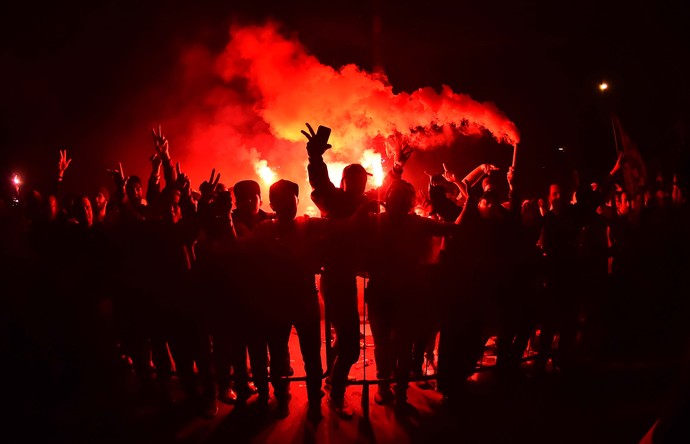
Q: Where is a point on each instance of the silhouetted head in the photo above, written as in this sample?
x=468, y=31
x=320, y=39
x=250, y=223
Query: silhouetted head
x=101, y=198
x=134, y=189
x=283, y=197
x=489, y=204
x=83, y=211
x=438, y=184
x=555, y=197
x=490, y=181
x=171, y=204
x=354, y=179
x=247, y=196
x=400, y=198
x=587, y=198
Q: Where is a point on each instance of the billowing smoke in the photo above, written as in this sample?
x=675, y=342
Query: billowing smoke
x=258, y=93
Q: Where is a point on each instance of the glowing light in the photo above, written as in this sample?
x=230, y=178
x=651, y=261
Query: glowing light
x=16, y=180
x=371, y=161
x=603, y=86
x=260, y=90
x=560, y=148
x=335, y=171
x=311, y=211
x=267, y=175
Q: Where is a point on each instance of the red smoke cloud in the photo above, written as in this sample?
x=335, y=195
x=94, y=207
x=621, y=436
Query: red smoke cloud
x=251, y=101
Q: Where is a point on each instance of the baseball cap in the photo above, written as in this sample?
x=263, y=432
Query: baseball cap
x=355, y=169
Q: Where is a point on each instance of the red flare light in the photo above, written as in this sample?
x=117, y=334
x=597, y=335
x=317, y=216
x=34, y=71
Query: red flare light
x=263, y=88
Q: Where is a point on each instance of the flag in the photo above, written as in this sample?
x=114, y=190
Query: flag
x=634, y=169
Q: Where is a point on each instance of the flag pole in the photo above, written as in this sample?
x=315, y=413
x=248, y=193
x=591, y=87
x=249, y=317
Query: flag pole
x=514, y=153
x=615, y=137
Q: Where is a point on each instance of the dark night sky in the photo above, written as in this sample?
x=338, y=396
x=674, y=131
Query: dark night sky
x=69, y=69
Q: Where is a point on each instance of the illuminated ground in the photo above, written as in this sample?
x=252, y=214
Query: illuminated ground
x=607, y=404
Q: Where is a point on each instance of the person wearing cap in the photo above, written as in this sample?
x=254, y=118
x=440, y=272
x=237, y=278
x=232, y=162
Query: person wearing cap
x=289, y=251
x=247, y=213
x=236, y=338
x=338, y=279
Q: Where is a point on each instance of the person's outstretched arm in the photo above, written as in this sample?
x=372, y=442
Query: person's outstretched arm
x=162, y=148
x=317, y=169
x=401, y=155
x=63, y=163
x=153, y=188
x=118, y=176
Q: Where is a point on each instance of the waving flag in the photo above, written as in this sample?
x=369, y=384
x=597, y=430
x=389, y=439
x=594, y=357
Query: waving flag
x=634, y=170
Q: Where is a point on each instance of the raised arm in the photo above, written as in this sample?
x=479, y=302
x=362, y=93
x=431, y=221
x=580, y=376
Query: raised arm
x=63, y=163
x=317, y=169
x=514, y=194
x=469, y=211
x=118, y=176
x=608, y=185
x=209, y=195
x=185, y=186
x=401, y=154
x=153, y=188
x=162, y=147
x=451, y=177
x=476, y=174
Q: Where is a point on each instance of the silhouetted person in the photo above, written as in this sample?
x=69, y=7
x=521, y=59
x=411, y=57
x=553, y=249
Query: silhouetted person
x=238, y=339
x=338, y=279
x=289, y=246
x=396, y=259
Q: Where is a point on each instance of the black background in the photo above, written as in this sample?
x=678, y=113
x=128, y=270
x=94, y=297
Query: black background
x=71, y=68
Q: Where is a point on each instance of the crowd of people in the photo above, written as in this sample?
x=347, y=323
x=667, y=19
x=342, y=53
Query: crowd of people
x=206, y=285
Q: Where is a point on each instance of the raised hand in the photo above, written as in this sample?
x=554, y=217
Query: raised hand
x=449, y=175
x=619, y=163
x=160, y=143
x=402, y=151
x=464, y=188
x=63, y=163
x=315, y=145
x=156, y=162
x=118, y=175
x=510, y=176
x=183, y=183
x=487, y=168
x=210, y=186
x=404, y=154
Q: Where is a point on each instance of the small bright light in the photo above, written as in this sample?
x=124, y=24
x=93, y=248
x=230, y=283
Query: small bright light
x=560, y=148
x=603, y=86
x=16, y=180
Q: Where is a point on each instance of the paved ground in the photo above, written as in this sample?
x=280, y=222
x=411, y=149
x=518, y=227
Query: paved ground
x=606, y=403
